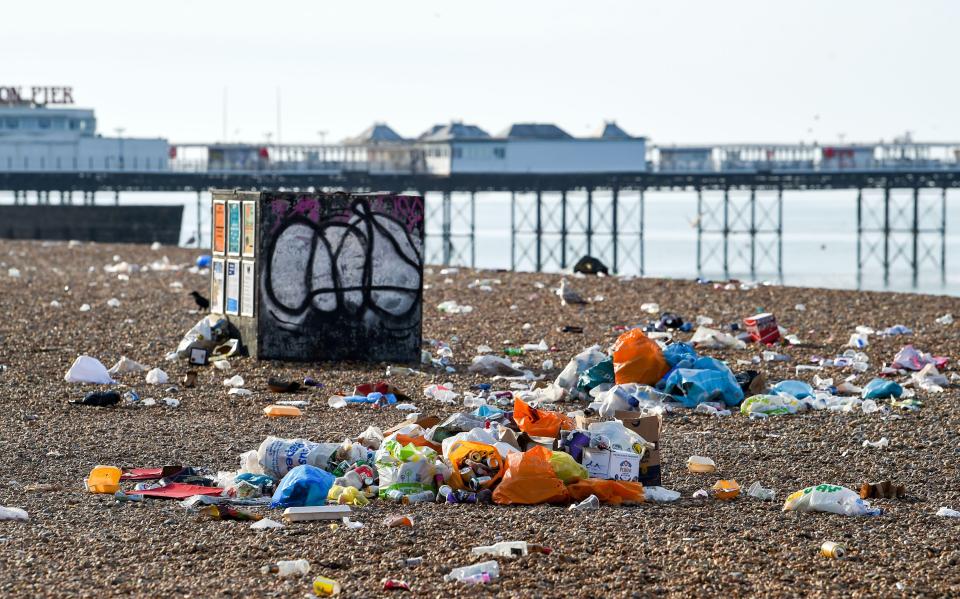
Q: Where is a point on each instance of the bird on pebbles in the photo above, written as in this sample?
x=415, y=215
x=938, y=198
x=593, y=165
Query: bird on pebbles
x=568, y=295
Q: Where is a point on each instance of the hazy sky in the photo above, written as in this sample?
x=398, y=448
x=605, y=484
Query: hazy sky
x=674, y=71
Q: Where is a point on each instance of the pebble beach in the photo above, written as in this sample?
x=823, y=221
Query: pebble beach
x=81, y=544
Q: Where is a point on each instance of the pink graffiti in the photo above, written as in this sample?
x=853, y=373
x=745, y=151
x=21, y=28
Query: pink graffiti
x=307, y=207
x=408, y=210
x=279, y=209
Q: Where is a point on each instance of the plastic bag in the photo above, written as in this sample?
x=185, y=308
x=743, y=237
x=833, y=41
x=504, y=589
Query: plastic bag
x=675, y=353
x=406, y=468
x=539, y=423
x=638, y=359
x=709, y=379
x=795, y=389
x=829, y=498
x=88, y=370
x=477, y=435
x=714, y=339
x=490, y=365
x=304, y=485
x=619, y=436
x=462, y=451
x=566, y=468
x=599, y=373
x=771, y=405
x=882, y=389
x=278, y=456
x=613, y=492
x=629, y=398
x=568, y=377
x=125, y=365
x=529, y=479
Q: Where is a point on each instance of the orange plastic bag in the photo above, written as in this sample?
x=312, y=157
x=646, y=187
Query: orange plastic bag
x=613, y=492
x=418, y=441
x=529, y=479
x=638, y=359
x=476, y=452
x=539, y=423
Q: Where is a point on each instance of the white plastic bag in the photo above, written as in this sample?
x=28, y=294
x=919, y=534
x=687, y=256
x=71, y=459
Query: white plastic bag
x=125, y=365
x=620, y=437
x=829, y=498
x=88, y=370
x=490, y=365
x=660, y=494
x=567, y=379
x=157, y=377
x=713, y=339
x=13, y=513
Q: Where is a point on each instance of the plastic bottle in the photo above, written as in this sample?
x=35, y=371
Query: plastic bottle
x=509, y=549
x=325, y=587
x=477, y=573
x=293, y=567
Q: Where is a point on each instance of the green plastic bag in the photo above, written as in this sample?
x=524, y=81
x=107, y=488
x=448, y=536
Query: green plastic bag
x=567, y=468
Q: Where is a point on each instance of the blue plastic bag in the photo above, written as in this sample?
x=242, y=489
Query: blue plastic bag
x=709, y=379
x=882, y=389
x=795, y=389
x=488, y=411
x=677, y=352
x=302, y=486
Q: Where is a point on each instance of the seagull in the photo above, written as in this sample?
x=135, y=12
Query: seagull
x=202, y=302
x=568, y=295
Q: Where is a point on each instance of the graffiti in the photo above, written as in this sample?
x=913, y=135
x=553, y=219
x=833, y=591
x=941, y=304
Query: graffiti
x=341, y=276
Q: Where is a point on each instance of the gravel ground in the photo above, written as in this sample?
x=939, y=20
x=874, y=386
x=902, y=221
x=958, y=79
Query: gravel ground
x=77, y=543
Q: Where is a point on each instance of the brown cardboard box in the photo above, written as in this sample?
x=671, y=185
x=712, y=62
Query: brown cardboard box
x=647, y=427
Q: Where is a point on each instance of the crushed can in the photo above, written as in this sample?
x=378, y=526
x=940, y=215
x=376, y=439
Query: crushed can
x=762, y=328
x=833, y=550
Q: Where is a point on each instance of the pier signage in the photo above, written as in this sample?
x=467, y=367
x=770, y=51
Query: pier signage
x=39, y=95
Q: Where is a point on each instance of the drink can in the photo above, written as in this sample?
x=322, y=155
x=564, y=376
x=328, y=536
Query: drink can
x=466, y=497
x=833, y=550
x=420, y=497
x=410, y=562
x=444, y=492
x=325, y=587
x=393, y=583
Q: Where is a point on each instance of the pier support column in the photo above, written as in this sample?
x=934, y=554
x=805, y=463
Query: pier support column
x=539, y=232
x=513, y=230
x=198, y=218
x=473, y=229
x=641, y=227
x=614, y=226
x=589, y=221
x=563, y=229
x=447, y=243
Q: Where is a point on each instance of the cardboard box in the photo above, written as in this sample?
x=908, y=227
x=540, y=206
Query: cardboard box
x=596, y=461
x=624, y=465
x=649, y=428
x=762, y=327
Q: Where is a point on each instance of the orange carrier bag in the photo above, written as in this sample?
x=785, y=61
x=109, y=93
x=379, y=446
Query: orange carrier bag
x=529, y=479
x=461, y=451
x=539, y=423
x=638, y=359
x=607, y=491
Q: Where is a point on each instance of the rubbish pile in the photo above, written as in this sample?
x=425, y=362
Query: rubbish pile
x=520, y=445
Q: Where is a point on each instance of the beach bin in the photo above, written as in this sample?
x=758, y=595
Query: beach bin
x=319, y=276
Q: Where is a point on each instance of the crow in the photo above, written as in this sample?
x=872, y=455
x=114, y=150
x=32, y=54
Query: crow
x=202, y=302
